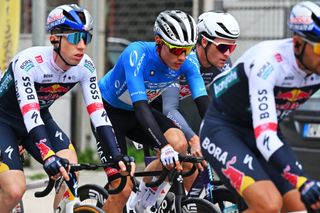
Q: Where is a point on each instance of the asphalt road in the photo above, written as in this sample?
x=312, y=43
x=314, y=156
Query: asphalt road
x=44, y=205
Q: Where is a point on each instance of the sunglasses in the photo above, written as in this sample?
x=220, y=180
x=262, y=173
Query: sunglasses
x=223, y=47
x=75, y=38
x=316, y=45
x=178, y=50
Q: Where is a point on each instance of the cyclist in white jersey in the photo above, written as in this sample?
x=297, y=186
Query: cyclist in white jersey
x=35, y=78
x=240, y=135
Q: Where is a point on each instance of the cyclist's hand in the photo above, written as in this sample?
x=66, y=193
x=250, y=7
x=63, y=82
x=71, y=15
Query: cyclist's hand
x=196, y=151
x=310, y=194
x=169, y=157
x=56, y=167
x=126, y=164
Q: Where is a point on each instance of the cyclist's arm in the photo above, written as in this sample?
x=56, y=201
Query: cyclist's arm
x=96, y=111
x=170, y=105
x=30, y=107
x=265, y=123
x=146, y=119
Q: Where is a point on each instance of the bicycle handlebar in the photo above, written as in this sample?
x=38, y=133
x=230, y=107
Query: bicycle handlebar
x=164, y=173
x=75, y=168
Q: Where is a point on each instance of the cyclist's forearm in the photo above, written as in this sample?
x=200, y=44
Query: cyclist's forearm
x=108, y=141
x=202, y=104
x=148, y=122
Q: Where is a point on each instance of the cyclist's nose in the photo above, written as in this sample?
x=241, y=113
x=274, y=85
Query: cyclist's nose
x=81, y=44
x=182, y=56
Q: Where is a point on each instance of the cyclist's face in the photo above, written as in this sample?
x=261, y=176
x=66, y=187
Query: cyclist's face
x=216, y=55
x=310, y=58
x=72, y=53
x=171, y=60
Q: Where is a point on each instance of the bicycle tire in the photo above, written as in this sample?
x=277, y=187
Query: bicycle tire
x=197, y=205
x=221, y=195
x=96, y=194
x=87, y=209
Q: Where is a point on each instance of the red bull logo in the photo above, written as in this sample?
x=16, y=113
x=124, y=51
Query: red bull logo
x=294, y=95
x=45, y=151
x=237, y=178
x=294, y=179
x=56, y=88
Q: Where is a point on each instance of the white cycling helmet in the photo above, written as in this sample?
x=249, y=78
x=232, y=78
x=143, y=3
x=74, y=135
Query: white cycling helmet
x=218, y=25
x=69, y=17
x=176, y=28
x=305, y=20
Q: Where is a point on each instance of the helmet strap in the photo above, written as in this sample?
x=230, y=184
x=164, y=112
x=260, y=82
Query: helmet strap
x=205, y=49
x=57, y=50
x=300, y=56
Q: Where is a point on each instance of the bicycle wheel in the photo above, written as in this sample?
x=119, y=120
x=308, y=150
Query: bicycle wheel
x=197, y=205
x=225, y=200
x=92, y=194
x=87, y=209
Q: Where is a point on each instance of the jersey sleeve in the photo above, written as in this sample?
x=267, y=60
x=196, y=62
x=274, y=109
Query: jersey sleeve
x=191, y=70
x=262, y=78
x=98, y=115
x=134, y=59
x=23, y=71
x=170, y=101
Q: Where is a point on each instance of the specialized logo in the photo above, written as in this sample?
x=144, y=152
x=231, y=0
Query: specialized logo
x=225, y=82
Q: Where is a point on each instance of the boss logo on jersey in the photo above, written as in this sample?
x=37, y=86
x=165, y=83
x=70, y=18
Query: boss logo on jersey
x=27, y=65
x=27, y=87
x=89, y=65
x=93, y=86
x=265, y=71
x=226, y=81
x=263, y=105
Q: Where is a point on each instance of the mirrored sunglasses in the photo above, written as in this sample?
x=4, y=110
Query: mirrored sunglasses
x=178, y=50
x=223, y=47
x=315, y=45
x=75, y=38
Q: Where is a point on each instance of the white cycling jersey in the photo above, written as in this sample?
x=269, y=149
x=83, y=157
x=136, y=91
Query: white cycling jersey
x=264, y=85
x=33, y=81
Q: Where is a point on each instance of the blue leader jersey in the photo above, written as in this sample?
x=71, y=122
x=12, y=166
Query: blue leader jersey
x=140, y=74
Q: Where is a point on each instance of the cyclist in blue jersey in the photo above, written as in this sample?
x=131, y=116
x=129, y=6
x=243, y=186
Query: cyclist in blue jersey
x=35, y=78
x=142, y=72
x=240, y=134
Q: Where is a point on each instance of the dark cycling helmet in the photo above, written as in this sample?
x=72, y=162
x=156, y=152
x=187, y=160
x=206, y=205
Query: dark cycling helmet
x=69, y=17
x=176, y=28
x=218, y=25
x=305, y=20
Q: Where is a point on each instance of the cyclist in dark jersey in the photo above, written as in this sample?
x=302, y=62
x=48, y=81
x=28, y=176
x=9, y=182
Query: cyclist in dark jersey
x=35, y=78
x=142, y=72
x=240, y=135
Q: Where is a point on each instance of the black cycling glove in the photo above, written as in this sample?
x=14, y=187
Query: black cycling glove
x=310, y=192
x=53, y=163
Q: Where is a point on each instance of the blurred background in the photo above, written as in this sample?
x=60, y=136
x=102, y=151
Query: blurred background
x=119, y=22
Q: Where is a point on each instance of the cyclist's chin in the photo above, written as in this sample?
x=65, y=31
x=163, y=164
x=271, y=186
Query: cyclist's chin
x=175, y=66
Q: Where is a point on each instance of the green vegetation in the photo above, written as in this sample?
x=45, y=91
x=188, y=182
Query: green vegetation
x=37, y=176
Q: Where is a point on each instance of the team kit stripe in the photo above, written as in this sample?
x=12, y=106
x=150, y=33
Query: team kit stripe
x=94, y=107
x=30, y=107
x=265, y=127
